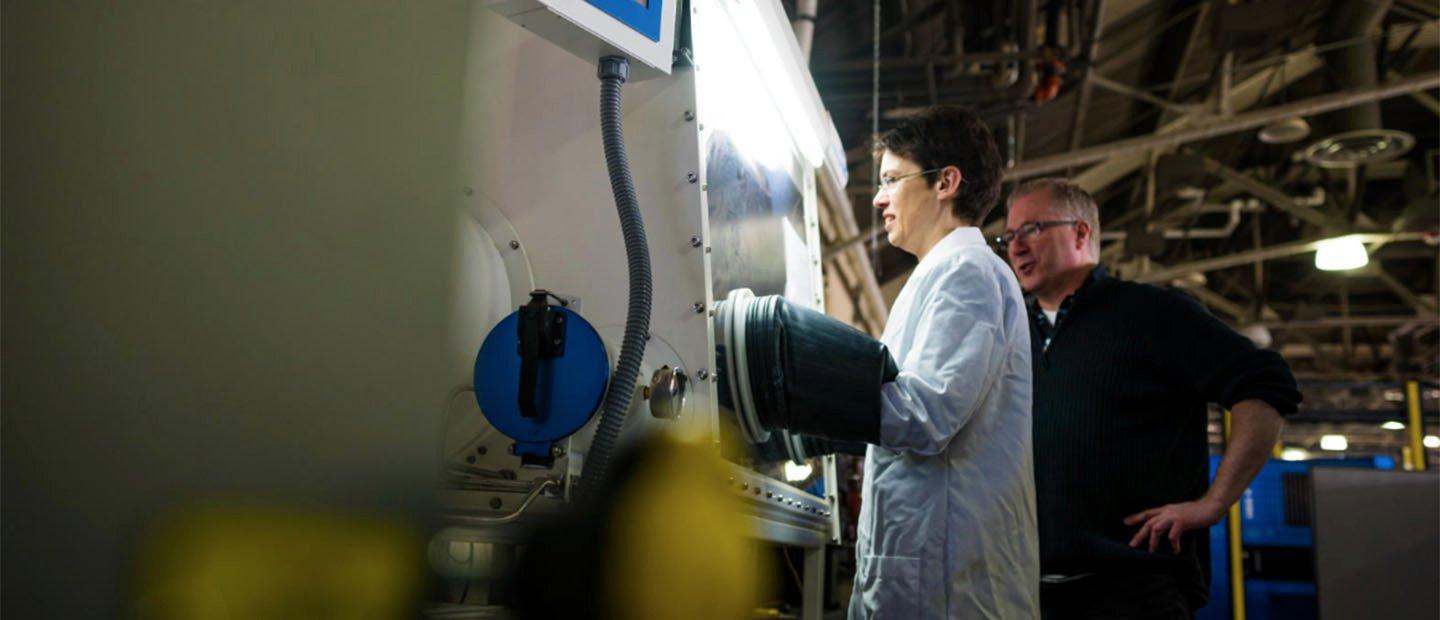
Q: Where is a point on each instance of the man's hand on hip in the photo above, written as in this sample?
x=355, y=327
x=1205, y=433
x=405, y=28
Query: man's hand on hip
x=1172, y=520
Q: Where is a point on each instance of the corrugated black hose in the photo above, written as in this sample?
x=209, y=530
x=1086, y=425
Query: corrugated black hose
x=613, y=71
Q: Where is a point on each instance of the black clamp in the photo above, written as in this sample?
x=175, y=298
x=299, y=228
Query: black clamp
x=613, y=68
x=542, y=337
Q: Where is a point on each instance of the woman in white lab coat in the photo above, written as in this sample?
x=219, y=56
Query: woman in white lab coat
x=947, y=520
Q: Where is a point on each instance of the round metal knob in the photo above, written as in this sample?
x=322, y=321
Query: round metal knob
x=667, y=393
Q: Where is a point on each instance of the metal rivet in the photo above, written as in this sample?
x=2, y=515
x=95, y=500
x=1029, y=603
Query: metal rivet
x=495, y=503
x=698, y=306
x=692, y=177
x=694, y=241
x=702, y=374
x=689, y=115
x=470, y=459
x=557, y=451
x=514, y=245
x=481, y=450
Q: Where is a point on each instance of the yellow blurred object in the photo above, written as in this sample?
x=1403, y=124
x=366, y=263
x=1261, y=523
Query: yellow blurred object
x=234, y=563
x=679, y=546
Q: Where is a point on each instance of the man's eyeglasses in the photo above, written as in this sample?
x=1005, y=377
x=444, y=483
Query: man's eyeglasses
x=887, y=184
x=1028, y=232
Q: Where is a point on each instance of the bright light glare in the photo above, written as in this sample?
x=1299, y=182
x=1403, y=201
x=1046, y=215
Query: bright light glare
x=1432, y=441
x=1293, y=454
x=1334, y=443
x=797, y=473
x=743, y=97
x=733, y=98
x=1393, y=426
x=1341, y=254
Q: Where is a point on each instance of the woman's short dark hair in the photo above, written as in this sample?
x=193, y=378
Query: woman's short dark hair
x=948, y=135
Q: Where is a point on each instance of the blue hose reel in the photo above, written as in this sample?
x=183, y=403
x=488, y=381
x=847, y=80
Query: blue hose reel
x=540, y=375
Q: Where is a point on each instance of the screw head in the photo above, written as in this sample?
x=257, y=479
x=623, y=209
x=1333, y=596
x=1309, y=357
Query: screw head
x=468, y=191
x=557, y=451
x=470, y=460
x=514, y=245
x=698, y=307
x=689, y=115
x=692, y=177
x=694, y=241
x=702, y=374
x=481, y=450
x=495, y=503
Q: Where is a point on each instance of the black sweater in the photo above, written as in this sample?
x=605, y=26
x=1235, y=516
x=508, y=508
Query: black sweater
x=1121, y=386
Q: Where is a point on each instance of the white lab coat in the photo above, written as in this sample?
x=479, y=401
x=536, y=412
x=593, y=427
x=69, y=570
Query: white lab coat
x=947, y=516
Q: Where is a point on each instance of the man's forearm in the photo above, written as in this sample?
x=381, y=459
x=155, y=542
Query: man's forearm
x=1254, y=429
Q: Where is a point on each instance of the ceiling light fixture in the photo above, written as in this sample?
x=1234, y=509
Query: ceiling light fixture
x=1341, y=254
x=1287, y=131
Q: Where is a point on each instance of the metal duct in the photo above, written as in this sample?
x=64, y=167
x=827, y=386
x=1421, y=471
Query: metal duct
x=1026, y=11
x=1354, y=65
x=804, y=24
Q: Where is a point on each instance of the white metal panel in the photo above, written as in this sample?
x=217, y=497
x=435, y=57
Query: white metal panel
x=533, y=149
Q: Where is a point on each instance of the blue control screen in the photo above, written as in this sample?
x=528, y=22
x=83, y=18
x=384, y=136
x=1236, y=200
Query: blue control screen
x=642, y=16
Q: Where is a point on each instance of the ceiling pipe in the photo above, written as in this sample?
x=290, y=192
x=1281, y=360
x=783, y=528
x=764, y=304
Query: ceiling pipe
x=1235, y=208
x=1165, y=274
x=1237, y=123
x=1092, y=51
x=920, y=62
x=1025, y=30
x=1353, y=321
x=804, y=25
x=1302, y=209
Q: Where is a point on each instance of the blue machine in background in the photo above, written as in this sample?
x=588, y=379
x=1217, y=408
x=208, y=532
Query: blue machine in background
x=1278, y=559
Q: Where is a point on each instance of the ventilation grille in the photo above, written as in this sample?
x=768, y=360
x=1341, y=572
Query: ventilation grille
x=1297, y=498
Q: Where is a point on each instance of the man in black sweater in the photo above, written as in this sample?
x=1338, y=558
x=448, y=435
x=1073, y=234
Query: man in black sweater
x=1123, y=374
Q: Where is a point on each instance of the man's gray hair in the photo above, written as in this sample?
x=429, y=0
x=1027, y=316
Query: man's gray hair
x=1068, y=198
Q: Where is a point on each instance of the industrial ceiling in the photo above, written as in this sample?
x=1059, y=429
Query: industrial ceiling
x=1208, y=133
